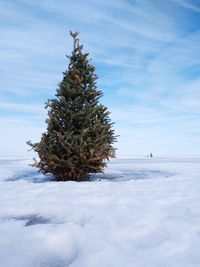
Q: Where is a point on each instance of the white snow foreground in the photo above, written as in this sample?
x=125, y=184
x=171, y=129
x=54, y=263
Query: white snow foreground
x=140, y=213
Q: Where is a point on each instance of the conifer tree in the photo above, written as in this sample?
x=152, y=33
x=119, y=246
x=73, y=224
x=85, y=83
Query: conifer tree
x=79, y=135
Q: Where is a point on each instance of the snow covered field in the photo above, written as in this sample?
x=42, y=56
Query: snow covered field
x=140, y=213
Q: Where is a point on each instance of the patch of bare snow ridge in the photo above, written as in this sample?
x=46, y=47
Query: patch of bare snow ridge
x=142, y=212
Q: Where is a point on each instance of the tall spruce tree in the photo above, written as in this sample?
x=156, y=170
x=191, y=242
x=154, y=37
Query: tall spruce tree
x=79, y=134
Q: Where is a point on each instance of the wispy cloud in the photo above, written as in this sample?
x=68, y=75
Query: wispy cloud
x=38, y=109
x=188, y=5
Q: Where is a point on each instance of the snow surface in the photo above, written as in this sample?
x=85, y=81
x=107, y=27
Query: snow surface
x=142, y=212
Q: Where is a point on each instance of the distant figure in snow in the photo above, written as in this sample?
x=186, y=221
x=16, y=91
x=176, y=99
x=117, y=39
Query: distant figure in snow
x=151, y=155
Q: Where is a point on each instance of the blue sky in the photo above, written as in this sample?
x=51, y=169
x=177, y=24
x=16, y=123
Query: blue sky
x=147, y=56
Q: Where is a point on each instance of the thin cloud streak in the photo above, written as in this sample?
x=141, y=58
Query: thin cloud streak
x=188, y=5
x=38, y=109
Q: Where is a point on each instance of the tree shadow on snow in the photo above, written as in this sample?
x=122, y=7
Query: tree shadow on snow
x=123, y=175
x=31, y=176
x=127, y=175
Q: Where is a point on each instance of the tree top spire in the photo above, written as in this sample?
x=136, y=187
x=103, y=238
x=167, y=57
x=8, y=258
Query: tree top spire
x=74, y=34
x=76, y=40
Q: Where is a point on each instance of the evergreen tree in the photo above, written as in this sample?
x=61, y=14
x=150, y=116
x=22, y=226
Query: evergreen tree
x=79, y=134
